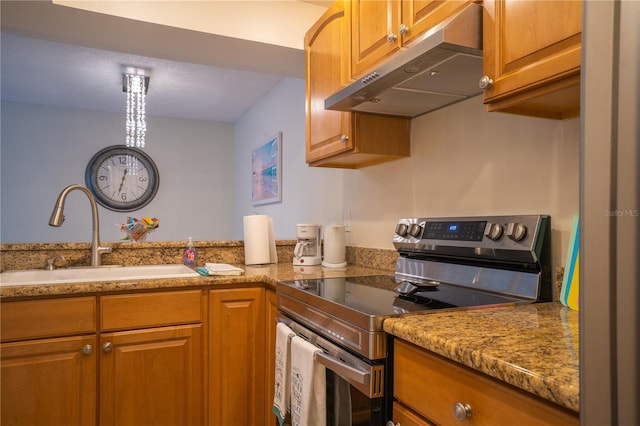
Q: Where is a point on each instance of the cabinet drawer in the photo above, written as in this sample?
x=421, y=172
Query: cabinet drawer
x=431, y=385
x=128, y=311
x=34, y=319
x=405, y=417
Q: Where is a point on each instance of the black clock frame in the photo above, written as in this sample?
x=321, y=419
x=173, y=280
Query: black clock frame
x=90, y=178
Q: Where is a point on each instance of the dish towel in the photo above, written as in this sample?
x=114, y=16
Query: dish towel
x=222, y=269
x=308, y=385
x=281, y=394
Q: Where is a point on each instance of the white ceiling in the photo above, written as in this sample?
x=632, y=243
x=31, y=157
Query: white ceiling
x=58, y=56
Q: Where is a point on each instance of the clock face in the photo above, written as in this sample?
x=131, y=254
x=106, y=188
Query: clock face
x=122, y=178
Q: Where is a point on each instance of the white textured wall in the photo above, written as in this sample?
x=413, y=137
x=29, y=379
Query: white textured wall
x=467, y=162
x=44, y=149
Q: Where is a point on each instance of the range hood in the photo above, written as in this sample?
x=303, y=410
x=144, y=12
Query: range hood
x=442, y=68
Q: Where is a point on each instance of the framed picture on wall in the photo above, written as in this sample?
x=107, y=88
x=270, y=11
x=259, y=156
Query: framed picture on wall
x=266, y=172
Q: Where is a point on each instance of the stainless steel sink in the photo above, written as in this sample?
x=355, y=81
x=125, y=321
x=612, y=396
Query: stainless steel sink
x=94, y=274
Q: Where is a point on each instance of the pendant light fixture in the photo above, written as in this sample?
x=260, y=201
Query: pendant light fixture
x=135, y=83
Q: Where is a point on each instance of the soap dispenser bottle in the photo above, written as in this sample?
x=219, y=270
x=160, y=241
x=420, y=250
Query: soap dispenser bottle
x=190, y=254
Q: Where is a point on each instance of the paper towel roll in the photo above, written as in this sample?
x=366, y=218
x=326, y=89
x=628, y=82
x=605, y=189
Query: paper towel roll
x=257, y=241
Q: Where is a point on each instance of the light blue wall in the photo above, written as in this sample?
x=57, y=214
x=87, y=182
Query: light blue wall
x=464, y=162
x=309, y=194
x=44, y=149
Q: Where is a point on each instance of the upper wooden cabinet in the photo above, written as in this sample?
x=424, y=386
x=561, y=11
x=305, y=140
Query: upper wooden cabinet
x=380, y=28
x=336, y=138
x=532, y=56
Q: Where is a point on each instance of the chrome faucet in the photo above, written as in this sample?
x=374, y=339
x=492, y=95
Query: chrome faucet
x=57, y=217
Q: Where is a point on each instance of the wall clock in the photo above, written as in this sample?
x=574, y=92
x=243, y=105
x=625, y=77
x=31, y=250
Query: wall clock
x=122, y=178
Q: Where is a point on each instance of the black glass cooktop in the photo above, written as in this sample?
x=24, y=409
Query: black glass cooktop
x=377, y=295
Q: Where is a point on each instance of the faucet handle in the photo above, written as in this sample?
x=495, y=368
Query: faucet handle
x=50, y=266
x=105, y=249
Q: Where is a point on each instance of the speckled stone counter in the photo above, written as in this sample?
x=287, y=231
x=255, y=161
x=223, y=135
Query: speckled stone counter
x=21, y=256
x=268, y=275
x=533, y=347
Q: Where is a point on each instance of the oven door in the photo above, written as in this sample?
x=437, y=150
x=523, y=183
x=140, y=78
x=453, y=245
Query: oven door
x=355, y=386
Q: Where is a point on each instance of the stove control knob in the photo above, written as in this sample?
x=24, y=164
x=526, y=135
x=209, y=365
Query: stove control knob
x=516, y=231
x=401, y=229
x=493, y=231
x=415, y=230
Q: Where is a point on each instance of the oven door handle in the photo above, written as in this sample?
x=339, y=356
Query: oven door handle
x=343, y=370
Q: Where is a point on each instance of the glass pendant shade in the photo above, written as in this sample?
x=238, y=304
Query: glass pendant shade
x=135, y=122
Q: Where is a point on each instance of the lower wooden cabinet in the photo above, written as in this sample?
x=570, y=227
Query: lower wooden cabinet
x=181, y=357
x=151, y=377
x=140, y=363
x=236, y=357
x=151, y=364
x=48, y=361
x=427, y=387
x=49, y=382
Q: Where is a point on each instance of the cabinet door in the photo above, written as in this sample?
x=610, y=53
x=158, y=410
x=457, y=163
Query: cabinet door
x=430, y=385
x=271, y=316
x=374, y=33
x=328, y=132
x=236, y=359
x=49, y=382
x=343, y=139
x=151, y=377
x=418, y=16
x=532, y=54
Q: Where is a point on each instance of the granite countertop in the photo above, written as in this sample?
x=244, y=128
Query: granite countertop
x=534, y=347
x=266, y=274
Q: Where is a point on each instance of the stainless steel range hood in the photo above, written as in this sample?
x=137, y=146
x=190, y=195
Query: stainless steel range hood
x=442, y=68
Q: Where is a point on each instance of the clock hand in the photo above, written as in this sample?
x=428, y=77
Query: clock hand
x=124, y=175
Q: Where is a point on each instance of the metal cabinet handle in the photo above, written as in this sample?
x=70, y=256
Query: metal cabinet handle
x=344, y=138
x=391, y=423
x=403, y=29
x=486, y=82
x=87, y=349
x=392, y=37
x=461, y=411
x=107, y=347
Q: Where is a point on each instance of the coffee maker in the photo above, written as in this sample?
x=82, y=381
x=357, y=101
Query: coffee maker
x=307, y=250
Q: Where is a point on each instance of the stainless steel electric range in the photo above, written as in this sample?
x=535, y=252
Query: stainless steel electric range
x=443, y=263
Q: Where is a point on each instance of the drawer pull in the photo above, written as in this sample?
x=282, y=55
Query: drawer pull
x=87, y=349
x=461, y=411
x=107, y=347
